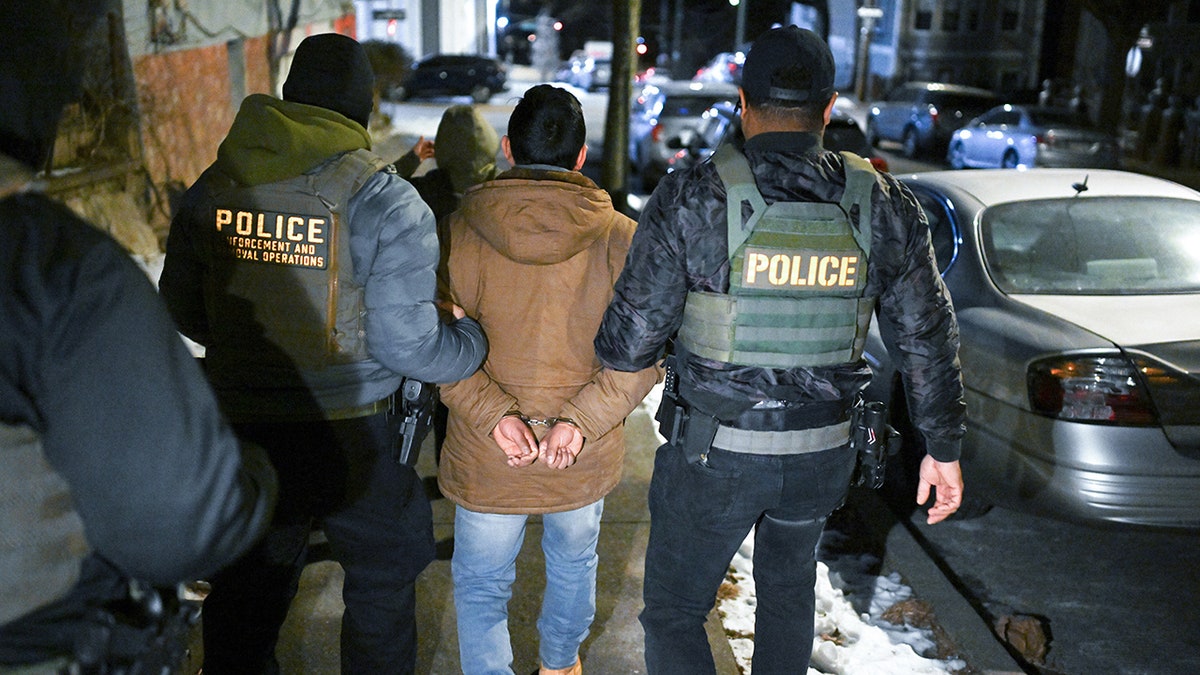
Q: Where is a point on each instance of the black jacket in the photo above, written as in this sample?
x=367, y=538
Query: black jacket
x=681, y=246
x=93, y=372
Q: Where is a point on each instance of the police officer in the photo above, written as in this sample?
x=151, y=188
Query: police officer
x=119, y=478
x=307, y=270
x=765, y=266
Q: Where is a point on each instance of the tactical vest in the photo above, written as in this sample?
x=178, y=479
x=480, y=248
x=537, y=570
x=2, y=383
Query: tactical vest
x=282, y=294
x=42, y=542
x=797, y=279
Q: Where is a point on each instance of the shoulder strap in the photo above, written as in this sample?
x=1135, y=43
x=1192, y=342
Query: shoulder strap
x=860, y=183
x=348, y=174
x=740, y=188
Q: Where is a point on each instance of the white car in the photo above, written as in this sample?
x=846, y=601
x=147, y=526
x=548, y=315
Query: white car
x=1009, y=136
x=1078, y=301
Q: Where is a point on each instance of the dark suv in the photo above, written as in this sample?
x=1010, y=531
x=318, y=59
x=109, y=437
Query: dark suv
x=921, y=116
x=455, y=75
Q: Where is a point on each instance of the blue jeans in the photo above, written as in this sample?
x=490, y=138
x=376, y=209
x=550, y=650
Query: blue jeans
x=484, y=567
x=700, y=514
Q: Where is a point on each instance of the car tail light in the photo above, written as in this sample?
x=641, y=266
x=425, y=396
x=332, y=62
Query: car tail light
x=1098, y=389
x=656, y=132
x=1045, y=139
x=933, y=115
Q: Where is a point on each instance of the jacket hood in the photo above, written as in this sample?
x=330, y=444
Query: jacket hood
x=272, y=140
x=538, y=217
x=466, y=147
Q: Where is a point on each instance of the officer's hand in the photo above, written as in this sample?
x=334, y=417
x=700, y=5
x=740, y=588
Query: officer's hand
x=516, y=440
x=946, y=479
x=561, y=445
x=423, y=149
x=451, y=309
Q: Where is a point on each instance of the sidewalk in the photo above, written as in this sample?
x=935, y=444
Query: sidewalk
x=309, y=643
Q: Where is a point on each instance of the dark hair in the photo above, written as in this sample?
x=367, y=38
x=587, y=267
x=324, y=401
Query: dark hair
x=547, y=127
x=809, y=115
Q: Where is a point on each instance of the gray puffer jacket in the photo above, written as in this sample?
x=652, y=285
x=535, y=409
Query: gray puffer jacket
x=393, y=251
x=680, y=246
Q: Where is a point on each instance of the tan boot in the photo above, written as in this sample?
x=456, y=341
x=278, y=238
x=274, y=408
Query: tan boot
x=576, y=669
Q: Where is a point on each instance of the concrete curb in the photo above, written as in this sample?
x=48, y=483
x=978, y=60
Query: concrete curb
x=906, y=553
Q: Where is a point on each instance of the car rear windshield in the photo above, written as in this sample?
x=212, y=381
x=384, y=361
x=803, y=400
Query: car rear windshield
x=1094, y=246
x=963, y=101
x=1062, y=118
x=687, y=106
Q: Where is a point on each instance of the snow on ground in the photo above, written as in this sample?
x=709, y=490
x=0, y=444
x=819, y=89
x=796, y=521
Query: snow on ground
x=846, y=641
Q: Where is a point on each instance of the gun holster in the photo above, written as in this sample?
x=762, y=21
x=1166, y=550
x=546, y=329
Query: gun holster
x=873, y=440
x=683, y=426
x=416, y=401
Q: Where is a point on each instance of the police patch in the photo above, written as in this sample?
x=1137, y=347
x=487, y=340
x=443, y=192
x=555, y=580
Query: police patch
x=792, y=270
x=275, y=238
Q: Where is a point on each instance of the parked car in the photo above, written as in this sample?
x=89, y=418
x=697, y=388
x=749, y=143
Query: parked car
x=922, y=115
x=1078, y=302
x=589, y=73
x=842, y=133
x=724, y=67
x=666, y=111
x=1009, y=136
x=455, y=75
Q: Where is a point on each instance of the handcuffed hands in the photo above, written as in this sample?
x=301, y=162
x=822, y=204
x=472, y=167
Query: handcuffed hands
x=516, y=440
x=561, y=445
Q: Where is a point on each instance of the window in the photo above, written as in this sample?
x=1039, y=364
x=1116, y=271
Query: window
x=950, y=16
x=973, y=15
x=923, y=17
x=942, y=230
x=1093, y=246
x=1010, y=15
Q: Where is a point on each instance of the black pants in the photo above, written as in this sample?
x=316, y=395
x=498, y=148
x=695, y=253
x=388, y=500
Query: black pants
x=380, y=529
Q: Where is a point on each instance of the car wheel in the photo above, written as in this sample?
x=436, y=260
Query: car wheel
x=956, y=156
x=912, y=146
x=1009, y=161
x=481, y=94
x=872, y=134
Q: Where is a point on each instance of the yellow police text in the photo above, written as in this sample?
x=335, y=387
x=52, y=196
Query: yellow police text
x=280, y=226
x=787, y=270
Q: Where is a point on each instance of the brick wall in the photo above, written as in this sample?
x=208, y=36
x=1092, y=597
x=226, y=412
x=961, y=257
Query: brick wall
x=186, y=109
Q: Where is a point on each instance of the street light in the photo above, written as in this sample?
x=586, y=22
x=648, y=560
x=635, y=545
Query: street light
x=739, y=36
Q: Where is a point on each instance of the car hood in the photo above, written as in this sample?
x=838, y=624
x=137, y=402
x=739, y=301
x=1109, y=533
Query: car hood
x=1140, y=321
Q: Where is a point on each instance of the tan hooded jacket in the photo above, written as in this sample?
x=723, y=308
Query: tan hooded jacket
x=534, y=255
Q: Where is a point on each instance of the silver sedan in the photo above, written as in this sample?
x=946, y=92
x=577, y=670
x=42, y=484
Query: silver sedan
x=1010, y=136
x=1078, y=300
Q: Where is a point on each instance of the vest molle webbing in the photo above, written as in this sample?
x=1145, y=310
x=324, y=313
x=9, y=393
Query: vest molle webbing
x=798, y=276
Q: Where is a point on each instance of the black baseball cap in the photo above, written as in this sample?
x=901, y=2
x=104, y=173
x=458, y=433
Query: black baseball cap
x=788, y=66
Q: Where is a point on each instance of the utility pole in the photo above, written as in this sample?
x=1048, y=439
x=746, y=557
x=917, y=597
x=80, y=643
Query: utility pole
x=868, y=14
x=615, y=171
